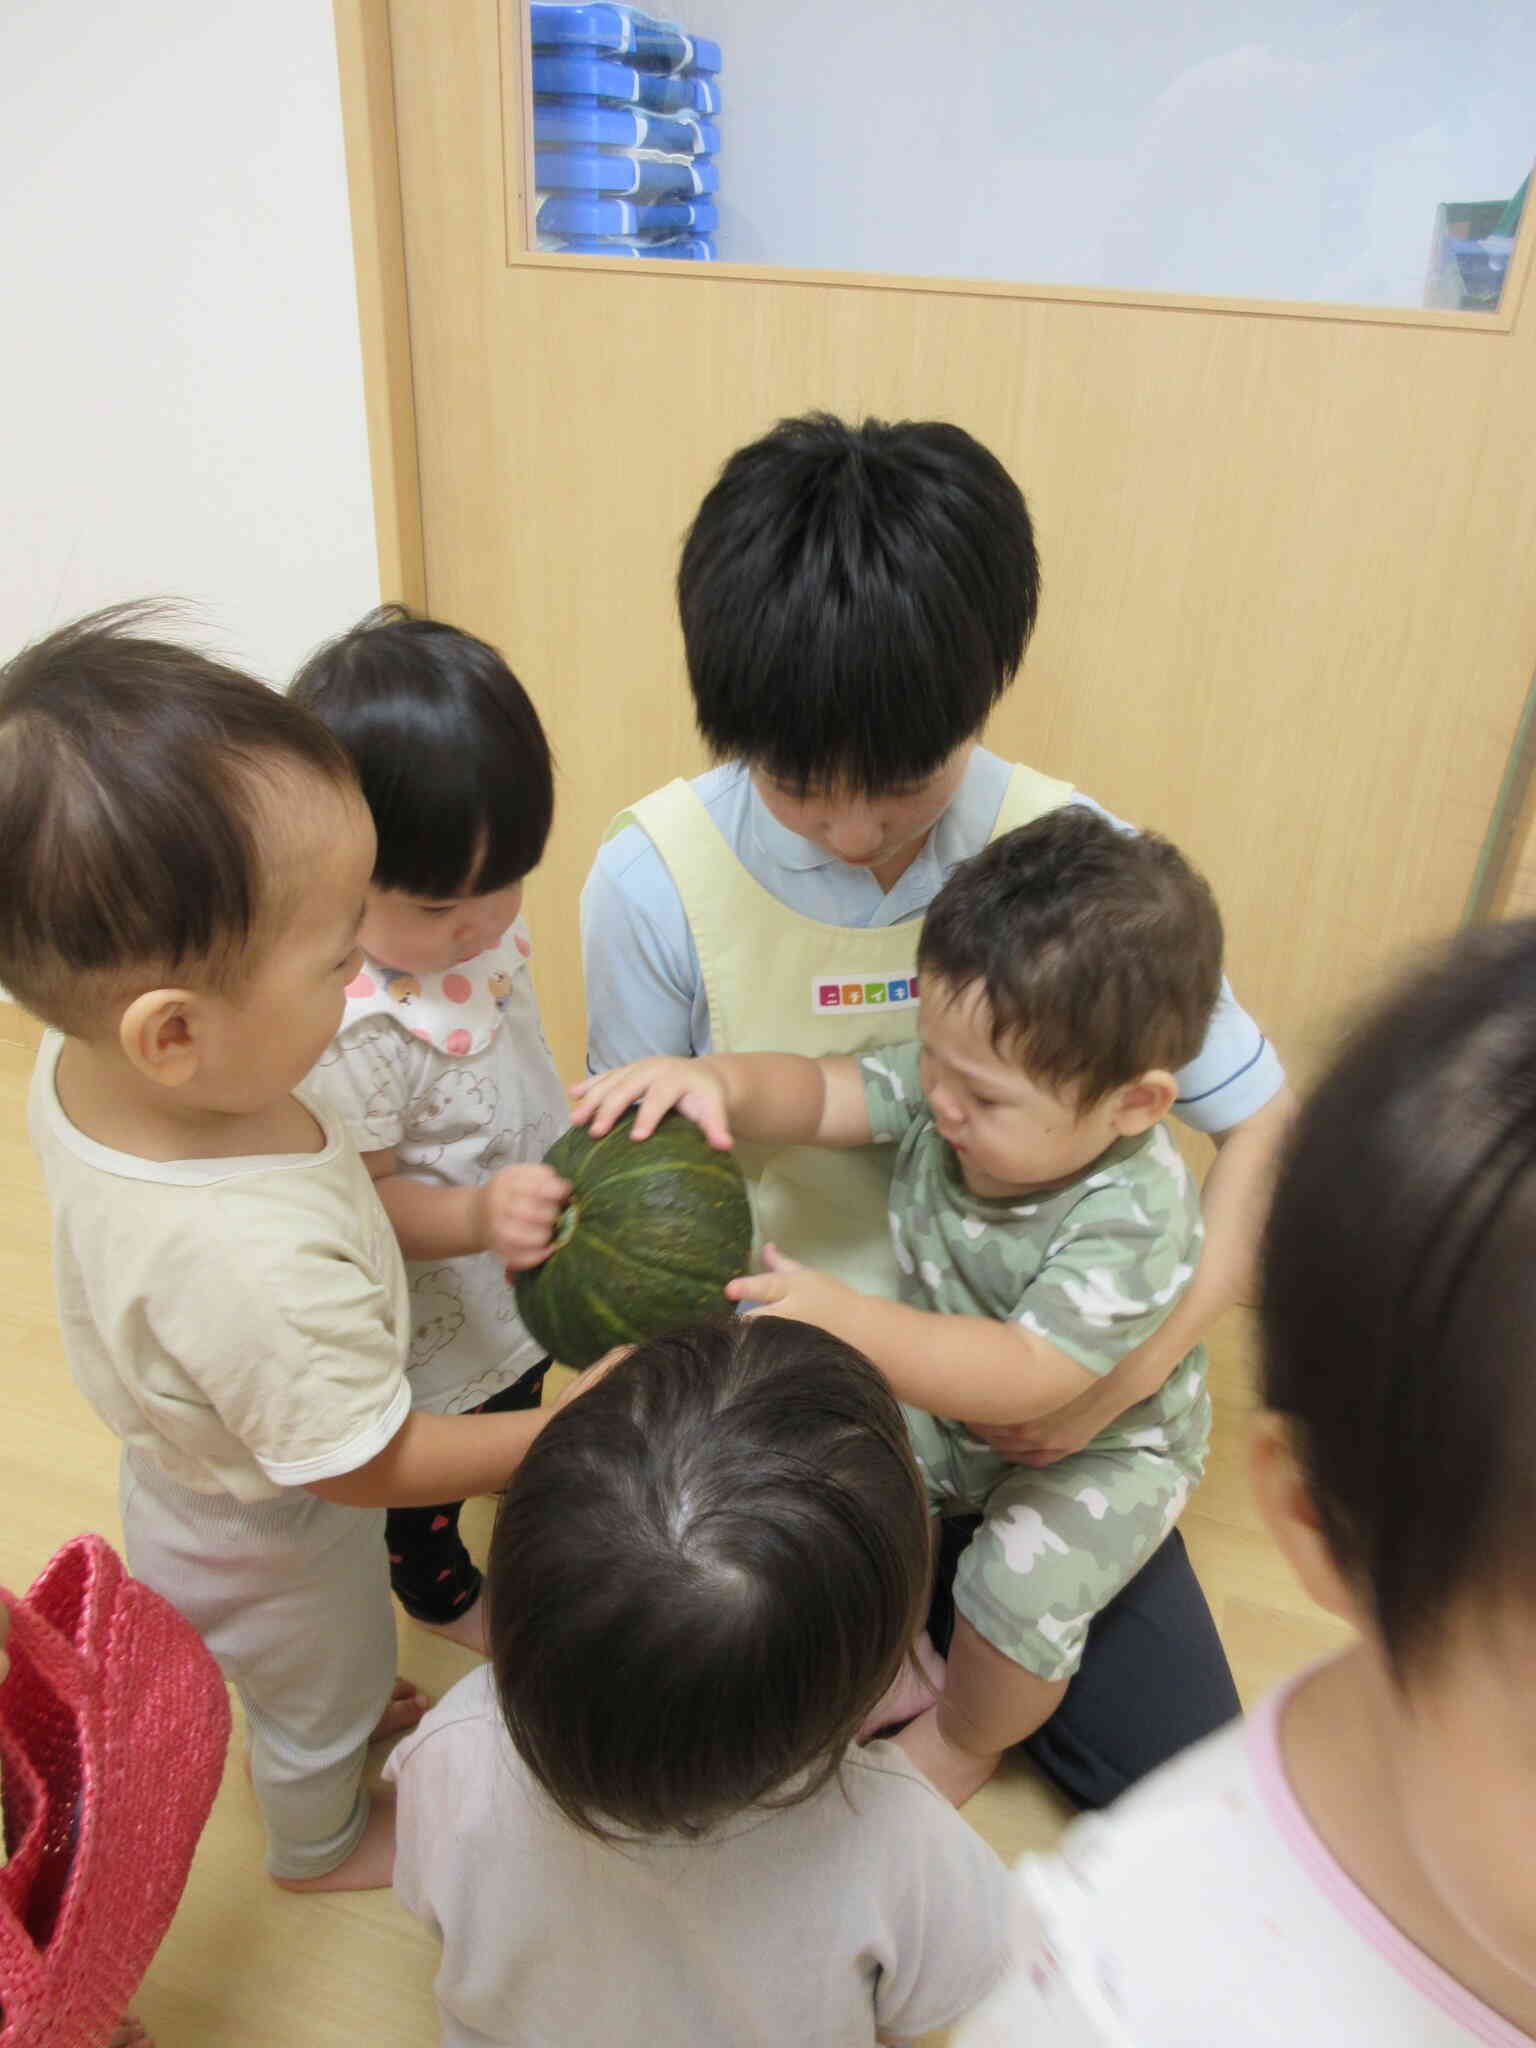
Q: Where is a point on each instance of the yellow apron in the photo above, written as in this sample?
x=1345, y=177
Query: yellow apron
x=780, y=982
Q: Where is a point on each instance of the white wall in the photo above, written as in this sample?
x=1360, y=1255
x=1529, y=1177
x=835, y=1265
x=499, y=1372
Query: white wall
x=181, y=405
x=1272, y=148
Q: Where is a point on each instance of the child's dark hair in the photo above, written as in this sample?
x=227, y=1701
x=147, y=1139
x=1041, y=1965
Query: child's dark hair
x=706, y=1571
x=449, y=749
x=1098, y=950
x=1399, y=1299
x=854, y=600
x=131, y=773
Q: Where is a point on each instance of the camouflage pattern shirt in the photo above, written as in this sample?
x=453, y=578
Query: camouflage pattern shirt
x=1093, y=1265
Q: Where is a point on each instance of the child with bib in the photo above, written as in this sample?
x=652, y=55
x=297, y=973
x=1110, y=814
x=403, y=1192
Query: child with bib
x=440, y=1071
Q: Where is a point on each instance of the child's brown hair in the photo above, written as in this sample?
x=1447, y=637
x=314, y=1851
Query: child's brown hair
x=1098, y=950
x=132, y=773
x=705, y=1573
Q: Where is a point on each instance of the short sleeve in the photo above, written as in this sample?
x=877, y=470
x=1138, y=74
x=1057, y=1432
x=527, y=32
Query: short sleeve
x=297, y=1360
x=448, y=1773
x=1039, y=2003
x=949, y=1919
x=644, y=986
x=1110, y=1278
x=364, y=1077
x=419, y=1768
x=893, y=1093
x=408, y=1881
x=457, y=1786
x=1234, y=1073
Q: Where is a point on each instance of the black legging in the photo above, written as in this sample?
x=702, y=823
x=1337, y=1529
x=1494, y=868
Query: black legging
x=1154, y=1677
x=433, y=1575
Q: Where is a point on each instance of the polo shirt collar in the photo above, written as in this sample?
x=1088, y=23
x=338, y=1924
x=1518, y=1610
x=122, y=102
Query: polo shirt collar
x=777, y=844
x=981, y=789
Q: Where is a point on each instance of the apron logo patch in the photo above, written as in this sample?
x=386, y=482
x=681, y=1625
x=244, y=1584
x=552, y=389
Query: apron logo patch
x=890, y=992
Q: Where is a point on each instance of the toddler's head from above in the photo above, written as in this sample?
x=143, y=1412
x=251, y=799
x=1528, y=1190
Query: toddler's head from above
x=185, y=855
x=1067, y=972
x=854, y=600
x=704, y=1574
x=1397, y=1463
x=457, y=773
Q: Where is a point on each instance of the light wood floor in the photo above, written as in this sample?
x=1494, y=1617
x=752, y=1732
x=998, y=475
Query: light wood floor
x=247, y=1966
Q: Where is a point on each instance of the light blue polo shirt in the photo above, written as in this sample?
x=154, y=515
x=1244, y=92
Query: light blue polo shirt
x=645, y=992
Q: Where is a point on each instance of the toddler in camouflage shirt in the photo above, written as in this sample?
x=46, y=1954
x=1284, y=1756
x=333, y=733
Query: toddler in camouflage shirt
x=1043, y=1221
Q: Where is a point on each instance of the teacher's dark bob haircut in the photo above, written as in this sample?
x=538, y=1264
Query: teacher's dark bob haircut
x=448, y=748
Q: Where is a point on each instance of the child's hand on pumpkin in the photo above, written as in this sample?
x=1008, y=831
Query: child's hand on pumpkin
x=516, y=1211
x=786, y=1288
x=657, y=1086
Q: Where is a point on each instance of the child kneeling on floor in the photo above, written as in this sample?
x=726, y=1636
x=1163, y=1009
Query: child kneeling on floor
x=1043, y=1222
x=644, y=1821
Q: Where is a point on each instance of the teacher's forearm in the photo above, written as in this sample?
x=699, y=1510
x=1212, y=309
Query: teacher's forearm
x=1235, y=1202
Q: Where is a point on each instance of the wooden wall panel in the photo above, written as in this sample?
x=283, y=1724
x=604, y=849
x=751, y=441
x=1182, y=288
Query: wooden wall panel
x=1284, y=621
x=378, y=246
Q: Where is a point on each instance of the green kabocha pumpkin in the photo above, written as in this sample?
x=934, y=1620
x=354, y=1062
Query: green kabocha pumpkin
x=650, y=1236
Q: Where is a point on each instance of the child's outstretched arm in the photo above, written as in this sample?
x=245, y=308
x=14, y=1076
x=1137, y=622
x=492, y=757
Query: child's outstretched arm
x=513, y=1214
x=958, y=1366
x=773, y=1098
x=431, y=1458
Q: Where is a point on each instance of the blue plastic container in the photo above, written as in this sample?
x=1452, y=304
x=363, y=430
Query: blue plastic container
x=622, y=128
x=621, y=32
x=605, y=78
x=677, y=248
x=566, y=213
x=638, y=176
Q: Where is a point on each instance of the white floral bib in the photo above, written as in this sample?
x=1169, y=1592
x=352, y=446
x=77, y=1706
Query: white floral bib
x=456, y=1011
x=451, y=1072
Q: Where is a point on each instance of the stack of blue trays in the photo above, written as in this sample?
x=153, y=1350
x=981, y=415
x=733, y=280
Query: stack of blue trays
x=624, y=140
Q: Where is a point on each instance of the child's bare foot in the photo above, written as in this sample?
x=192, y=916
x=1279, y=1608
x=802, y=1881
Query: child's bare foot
x=371, y=1865
x=955, y=1772
x=911, y=1692
x=407, y=1704
x=467, y=1628
x=130, y=2034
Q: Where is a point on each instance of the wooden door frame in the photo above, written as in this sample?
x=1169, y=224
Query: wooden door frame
x=366, y=65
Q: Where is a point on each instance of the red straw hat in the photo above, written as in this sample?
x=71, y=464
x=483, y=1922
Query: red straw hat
x=113, y=1728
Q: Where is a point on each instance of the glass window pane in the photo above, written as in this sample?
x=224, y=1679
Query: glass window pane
x=1247, y=148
